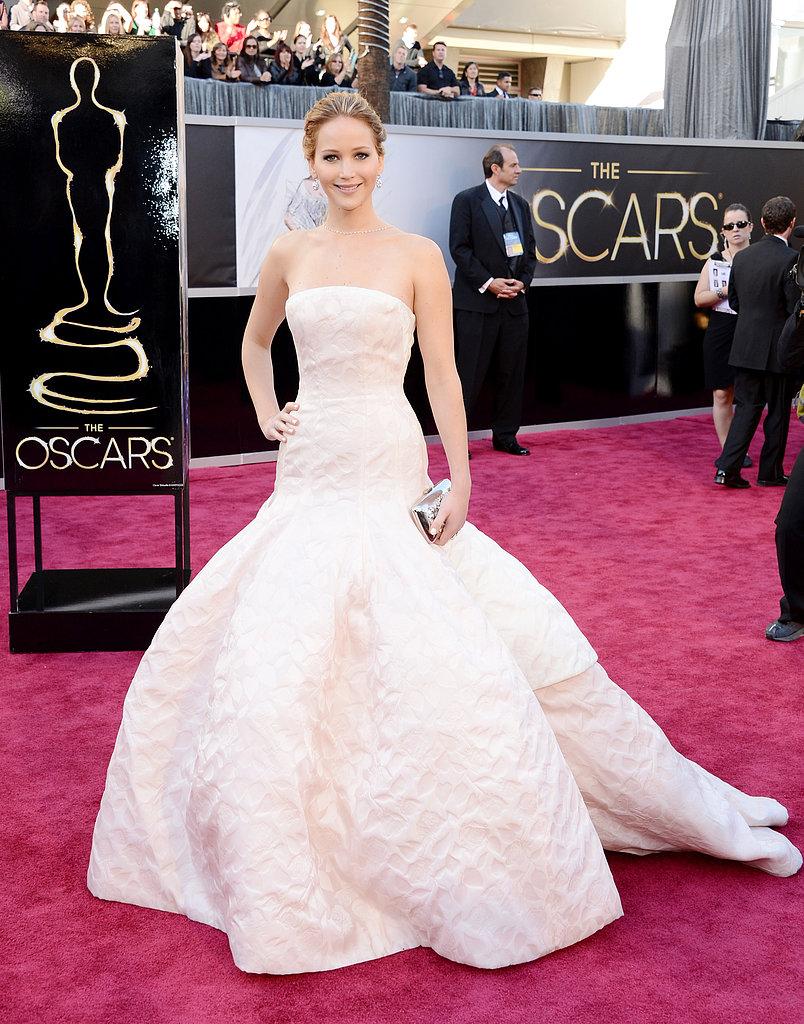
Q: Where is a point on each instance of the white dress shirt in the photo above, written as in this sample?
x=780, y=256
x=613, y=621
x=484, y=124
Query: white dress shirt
x=496, y=197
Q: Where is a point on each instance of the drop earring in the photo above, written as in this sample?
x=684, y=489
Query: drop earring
x=316, y=185
x=379, y=181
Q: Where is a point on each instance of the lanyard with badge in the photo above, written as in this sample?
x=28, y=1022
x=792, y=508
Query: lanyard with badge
x=513, y=244
x=511, y=239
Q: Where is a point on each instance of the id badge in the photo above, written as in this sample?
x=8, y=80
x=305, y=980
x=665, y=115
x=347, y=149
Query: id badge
x=513, y=244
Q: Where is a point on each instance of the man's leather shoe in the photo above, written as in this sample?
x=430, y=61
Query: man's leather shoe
x=780, y=481
x=509, y=447
x=724, y=479
x=785, y=631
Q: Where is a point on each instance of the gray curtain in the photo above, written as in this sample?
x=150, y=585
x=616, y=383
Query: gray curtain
x=718, y=65
x=237, y=99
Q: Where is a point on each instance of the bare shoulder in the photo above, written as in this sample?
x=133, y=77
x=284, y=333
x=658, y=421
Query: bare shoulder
x=420, y=249
x=285, y=251
x=284, y=246
x=428, y=272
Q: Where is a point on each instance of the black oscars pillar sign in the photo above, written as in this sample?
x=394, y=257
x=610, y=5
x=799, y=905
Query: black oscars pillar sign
x=93, y=366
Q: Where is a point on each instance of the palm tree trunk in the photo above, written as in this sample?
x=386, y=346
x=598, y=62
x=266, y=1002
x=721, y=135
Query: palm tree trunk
x=372, y=65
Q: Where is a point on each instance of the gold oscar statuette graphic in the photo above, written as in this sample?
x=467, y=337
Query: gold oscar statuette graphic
x=89, y=151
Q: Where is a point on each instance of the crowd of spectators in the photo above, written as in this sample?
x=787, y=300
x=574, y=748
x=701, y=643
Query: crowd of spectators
x=230, y=51
x=226, y=49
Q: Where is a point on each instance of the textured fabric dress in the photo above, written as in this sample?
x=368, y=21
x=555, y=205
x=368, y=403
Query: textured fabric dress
x=344, y=741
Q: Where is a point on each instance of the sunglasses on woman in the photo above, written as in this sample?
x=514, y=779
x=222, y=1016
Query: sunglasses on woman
x=736, y=224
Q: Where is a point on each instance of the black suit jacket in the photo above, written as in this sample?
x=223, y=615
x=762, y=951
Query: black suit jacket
x=763, y=294
x=791, y=341
x=476, y=245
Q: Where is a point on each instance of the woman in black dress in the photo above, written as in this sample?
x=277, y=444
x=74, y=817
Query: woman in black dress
x=711, y=293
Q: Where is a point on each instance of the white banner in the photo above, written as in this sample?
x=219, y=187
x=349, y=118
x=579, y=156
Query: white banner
x=422, y=174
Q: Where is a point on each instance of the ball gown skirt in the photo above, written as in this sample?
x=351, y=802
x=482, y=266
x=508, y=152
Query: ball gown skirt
x=344, y=741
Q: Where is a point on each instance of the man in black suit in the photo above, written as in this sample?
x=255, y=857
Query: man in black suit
x=502, y=88
x=763, y=294
x=492, y=242
x=790, y=521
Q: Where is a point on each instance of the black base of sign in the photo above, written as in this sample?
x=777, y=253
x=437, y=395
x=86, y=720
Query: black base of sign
x=91, y=609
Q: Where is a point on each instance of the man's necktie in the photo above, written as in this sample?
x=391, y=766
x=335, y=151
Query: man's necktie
x=508, y=225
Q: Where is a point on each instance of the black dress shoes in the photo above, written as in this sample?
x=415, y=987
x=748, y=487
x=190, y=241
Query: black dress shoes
x=509, y=447
x=779, y=481
x=724, y=479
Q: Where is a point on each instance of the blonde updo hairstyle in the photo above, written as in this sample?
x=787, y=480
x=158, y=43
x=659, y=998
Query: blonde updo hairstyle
x=341, y=104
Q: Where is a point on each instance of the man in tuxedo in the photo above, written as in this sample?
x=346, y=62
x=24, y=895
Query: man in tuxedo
x=492, y=242
x=790, y=520
x=763, y=293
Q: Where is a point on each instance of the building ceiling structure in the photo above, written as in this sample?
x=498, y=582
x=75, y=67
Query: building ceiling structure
x=575, y=29
x=539, y=17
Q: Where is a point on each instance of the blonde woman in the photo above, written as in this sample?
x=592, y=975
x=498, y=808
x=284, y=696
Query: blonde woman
x=335, y=72
x=116, y=21
x=81, y=9
x=347, y=739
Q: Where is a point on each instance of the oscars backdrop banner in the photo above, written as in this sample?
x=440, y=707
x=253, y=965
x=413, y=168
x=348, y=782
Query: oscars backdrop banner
x=93, y=364
x=605, y=210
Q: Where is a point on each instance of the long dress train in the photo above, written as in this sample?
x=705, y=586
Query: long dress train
x=344, y=742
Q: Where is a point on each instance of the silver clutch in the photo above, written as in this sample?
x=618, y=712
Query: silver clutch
x=426, y=509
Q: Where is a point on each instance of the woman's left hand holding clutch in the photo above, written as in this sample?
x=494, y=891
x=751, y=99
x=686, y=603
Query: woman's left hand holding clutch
x=451, y=515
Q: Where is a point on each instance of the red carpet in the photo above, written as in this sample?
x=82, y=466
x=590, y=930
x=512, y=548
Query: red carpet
x=671, y=578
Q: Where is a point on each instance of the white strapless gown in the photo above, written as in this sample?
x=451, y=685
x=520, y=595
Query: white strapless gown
x=344, y=742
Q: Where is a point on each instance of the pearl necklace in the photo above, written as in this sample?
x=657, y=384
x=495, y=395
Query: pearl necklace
x=364, y=231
